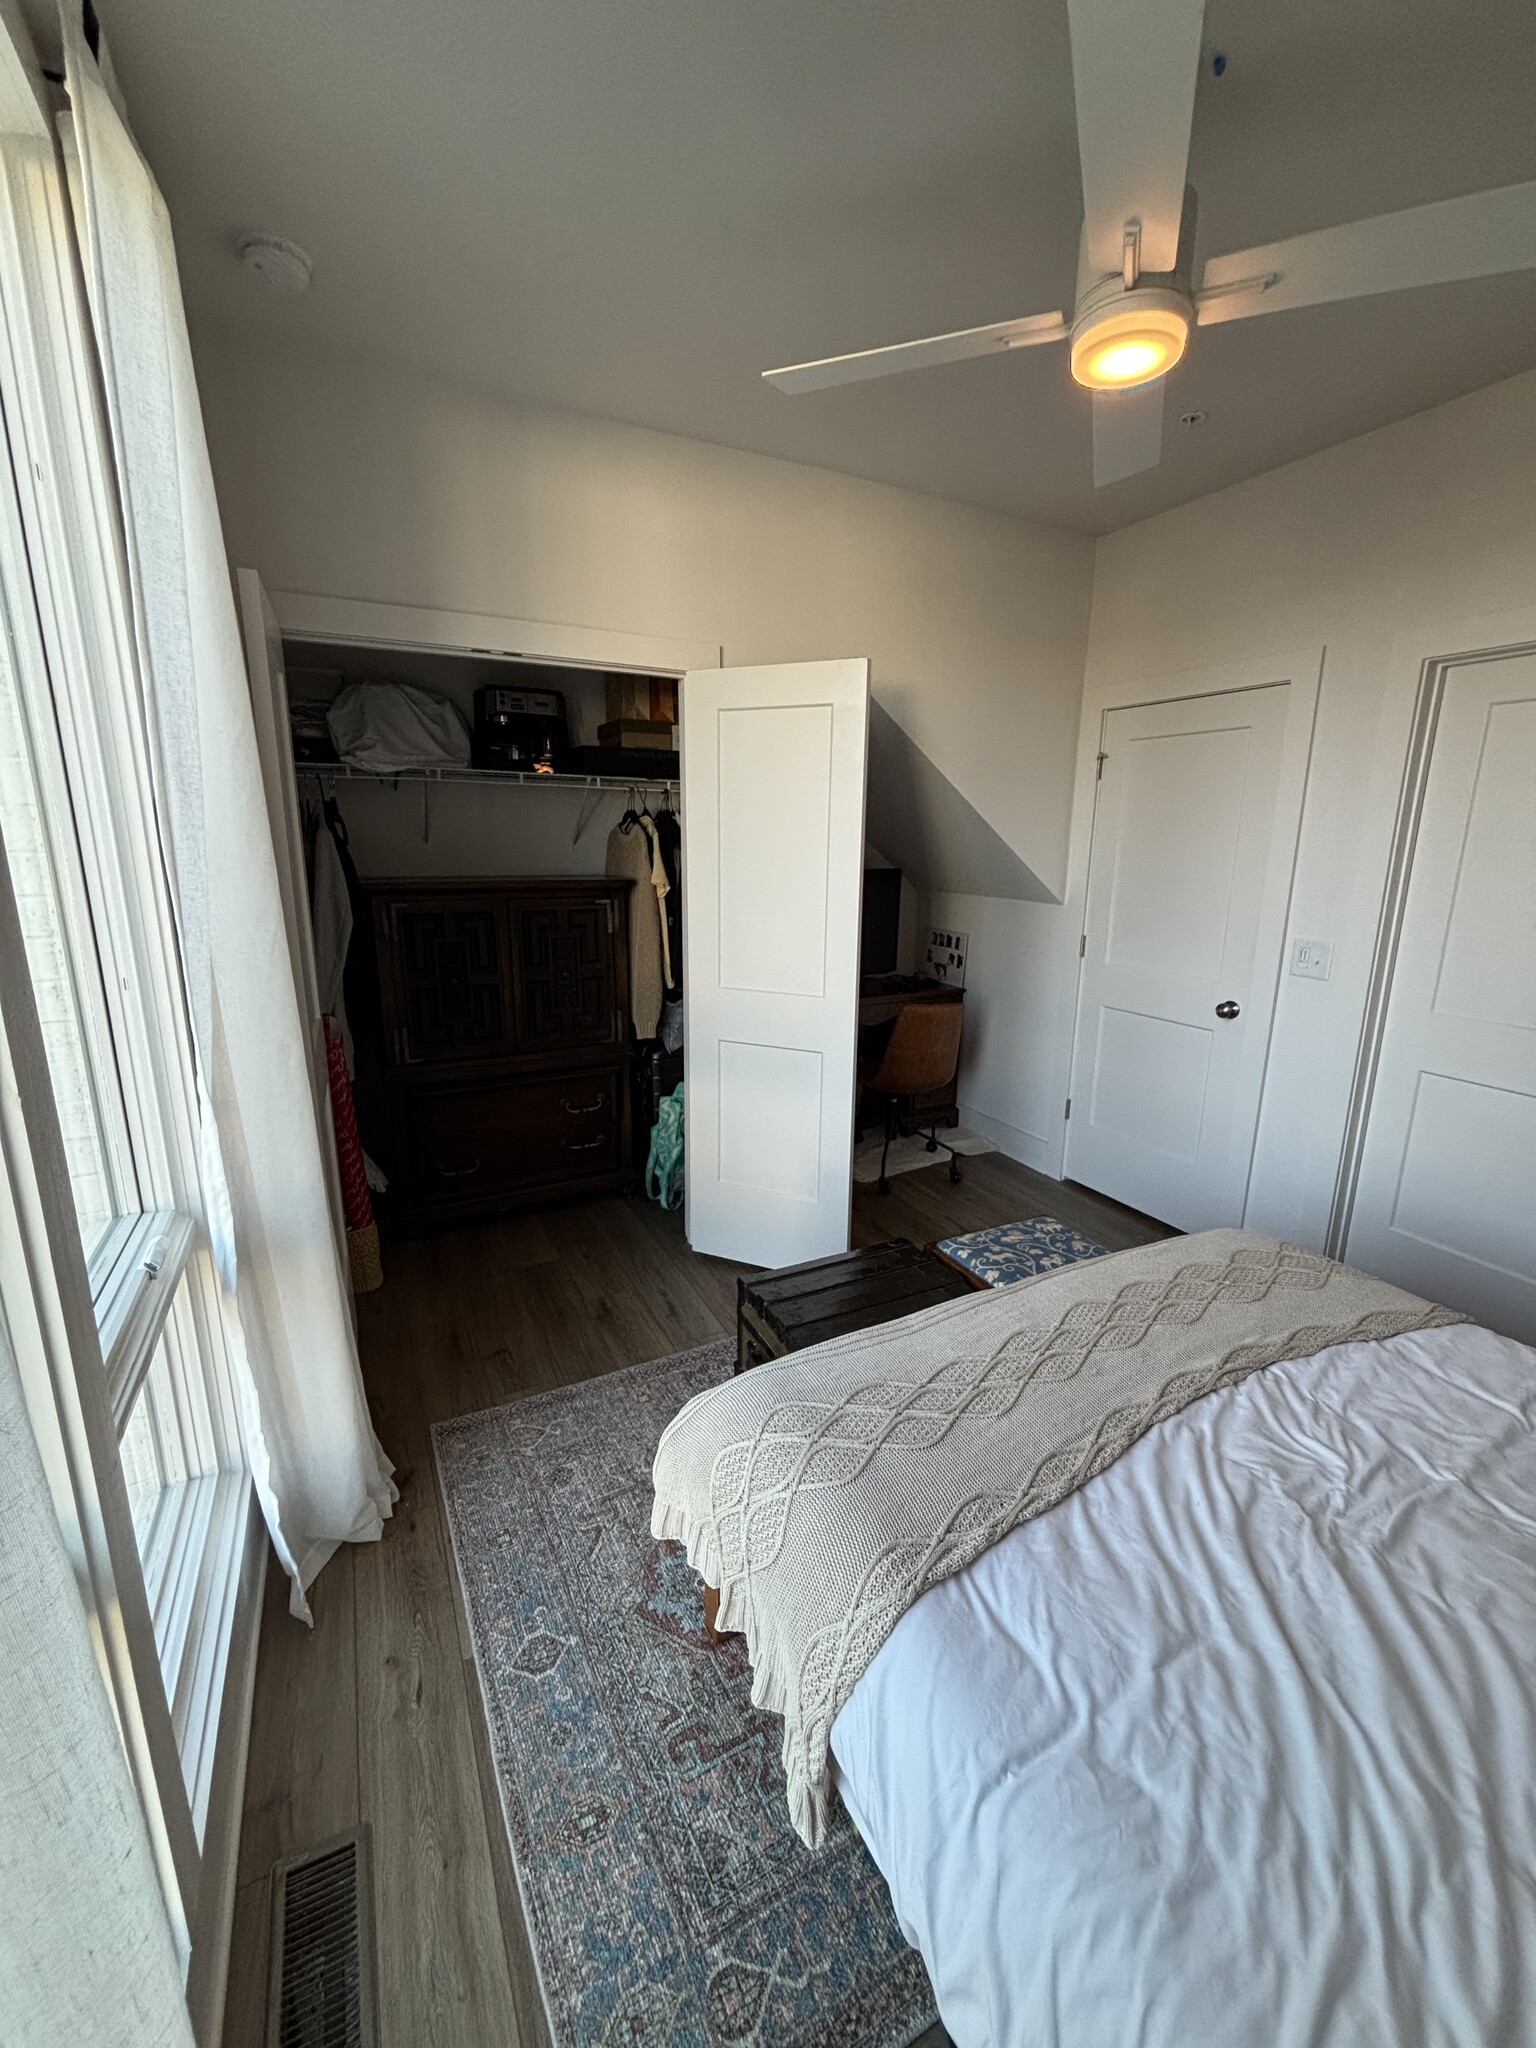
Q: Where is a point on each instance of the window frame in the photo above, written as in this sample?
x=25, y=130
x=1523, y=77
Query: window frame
x=164, y=1622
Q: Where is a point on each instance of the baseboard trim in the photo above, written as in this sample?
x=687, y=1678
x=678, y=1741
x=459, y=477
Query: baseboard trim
x=1024, y=1146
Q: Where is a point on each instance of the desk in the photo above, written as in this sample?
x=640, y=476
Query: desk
x=881, y=998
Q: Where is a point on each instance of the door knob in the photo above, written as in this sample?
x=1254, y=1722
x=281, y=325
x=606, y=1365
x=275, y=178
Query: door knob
x=1227, y=1010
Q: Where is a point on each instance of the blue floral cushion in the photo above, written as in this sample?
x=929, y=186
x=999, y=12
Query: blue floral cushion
x=1015, y=1251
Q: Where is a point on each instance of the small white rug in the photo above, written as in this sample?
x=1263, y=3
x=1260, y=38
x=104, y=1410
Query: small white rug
x=908, y=1154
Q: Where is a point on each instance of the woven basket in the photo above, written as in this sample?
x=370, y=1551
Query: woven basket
x=363, y=1257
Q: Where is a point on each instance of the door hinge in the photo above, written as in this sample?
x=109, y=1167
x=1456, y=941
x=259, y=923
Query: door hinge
x=1082, y=946
x=1068, y=1115
x=1099, y=775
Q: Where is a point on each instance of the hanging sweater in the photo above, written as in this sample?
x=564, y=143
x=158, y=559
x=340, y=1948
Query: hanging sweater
x=629, y=860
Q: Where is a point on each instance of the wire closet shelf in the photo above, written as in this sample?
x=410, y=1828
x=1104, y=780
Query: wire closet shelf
x=590, y=788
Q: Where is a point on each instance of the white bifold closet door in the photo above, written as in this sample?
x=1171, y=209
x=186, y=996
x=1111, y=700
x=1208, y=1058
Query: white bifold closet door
x=1446, y=1199
x=773, y=770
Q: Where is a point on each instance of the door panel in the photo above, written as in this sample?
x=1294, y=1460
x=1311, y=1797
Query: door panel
x=1446, y=1200
x=1165, y=1092
x=1171, y=884
x=1131, y=1048
x=786, y=748
x=450, y=960
x=773, y=766
x=770, y=1119
x=565, y=990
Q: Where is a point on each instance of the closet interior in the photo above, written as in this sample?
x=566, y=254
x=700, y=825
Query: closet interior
x=494, y=852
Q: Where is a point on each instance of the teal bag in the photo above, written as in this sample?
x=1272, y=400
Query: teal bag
x=664, y=1167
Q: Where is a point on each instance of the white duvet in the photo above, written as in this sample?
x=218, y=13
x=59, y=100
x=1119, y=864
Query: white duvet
x=1236, y=1747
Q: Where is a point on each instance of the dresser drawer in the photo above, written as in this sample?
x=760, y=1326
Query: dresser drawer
x=494, y=1138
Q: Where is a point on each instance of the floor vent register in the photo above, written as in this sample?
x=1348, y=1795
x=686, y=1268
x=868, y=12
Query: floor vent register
x=322, y=1992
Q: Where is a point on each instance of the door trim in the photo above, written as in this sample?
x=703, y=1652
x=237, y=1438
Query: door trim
x=306, y=617
x=1434, y=672
x=1302, y=671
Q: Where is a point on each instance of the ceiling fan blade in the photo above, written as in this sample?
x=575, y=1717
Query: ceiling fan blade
x=1127, y=432
x=1453, y=238
x=1134, y=70
x=920, y=355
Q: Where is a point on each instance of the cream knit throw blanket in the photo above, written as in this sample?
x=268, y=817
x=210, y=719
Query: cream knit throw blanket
x=824, y=1495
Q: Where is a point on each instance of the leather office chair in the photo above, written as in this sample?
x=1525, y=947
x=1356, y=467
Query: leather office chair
x=920, y=1055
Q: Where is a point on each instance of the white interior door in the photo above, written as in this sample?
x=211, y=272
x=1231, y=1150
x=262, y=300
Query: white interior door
x=1446, y=1199
x=1185, y=913
x=773, y=775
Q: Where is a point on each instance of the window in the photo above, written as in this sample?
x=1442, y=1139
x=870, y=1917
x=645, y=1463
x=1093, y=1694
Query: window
x=55, y=923
x=166, y=1504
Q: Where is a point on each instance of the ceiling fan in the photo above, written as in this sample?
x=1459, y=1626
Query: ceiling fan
x=1134, y=71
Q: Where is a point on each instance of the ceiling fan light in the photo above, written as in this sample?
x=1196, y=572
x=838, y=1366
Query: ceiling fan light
x=1130, y=344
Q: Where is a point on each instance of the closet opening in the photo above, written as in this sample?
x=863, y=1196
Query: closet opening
x=493, y=856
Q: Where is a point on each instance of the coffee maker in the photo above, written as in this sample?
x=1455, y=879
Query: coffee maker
x=524, y=730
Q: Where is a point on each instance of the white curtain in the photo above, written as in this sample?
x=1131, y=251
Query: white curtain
x=321, y=1475
x=85, y=1946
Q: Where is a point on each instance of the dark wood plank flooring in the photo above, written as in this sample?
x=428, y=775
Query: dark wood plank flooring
x=374, y=1716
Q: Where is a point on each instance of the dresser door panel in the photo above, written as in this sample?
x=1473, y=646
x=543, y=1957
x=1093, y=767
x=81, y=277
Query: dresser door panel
x=450, y=959
x=565, y=981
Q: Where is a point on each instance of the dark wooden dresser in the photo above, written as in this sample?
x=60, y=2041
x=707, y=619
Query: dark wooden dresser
x=506, y=1030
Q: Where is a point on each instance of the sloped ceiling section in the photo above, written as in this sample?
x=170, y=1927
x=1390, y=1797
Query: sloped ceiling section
x=924, y=826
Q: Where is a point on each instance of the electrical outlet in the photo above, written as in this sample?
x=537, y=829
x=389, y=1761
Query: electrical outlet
x=945, y=958
x=1312, y=959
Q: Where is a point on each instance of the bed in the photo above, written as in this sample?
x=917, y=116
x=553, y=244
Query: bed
x=1236, y=1742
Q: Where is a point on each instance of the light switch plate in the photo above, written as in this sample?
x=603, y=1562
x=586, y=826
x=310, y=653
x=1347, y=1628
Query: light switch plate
x=1312, y=959
x=945, y=957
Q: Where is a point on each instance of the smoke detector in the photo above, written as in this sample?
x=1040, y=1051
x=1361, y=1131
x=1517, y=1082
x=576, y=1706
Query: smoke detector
x=283, y=265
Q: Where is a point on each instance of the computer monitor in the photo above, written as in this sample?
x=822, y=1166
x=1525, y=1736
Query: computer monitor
x=882, y=921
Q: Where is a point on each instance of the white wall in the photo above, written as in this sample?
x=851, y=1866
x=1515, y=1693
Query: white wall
x=1010, y=1087
x=362, y=480
x=1375, y=549
x=358, y=479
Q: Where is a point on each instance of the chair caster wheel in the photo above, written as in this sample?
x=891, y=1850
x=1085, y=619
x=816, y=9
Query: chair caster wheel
x=933, y=1145
x=954, y=1171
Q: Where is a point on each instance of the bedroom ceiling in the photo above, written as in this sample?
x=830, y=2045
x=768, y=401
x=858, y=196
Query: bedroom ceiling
x=634, y=208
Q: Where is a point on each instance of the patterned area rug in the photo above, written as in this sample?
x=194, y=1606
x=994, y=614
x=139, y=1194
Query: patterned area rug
x=668, y=1897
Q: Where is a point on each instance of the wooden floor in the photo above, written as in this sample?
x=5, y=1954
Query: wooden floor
x=375, y=1716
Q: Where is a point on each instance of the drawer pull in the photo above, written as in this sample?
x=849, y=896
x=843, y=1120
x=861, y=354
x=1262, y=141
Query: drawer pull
x=456, y=1172
x=582, y=1108
x=590, y=1145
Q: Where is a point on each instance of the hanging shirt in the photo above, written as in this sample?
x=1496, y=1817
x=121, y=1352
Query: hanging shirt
x=331, y=911
x=629, y=859
x=661, y=885
x=669, y=836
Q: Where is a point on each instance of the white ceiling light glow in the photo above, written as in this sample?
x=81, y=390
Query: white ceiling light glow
x=1134, y=340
